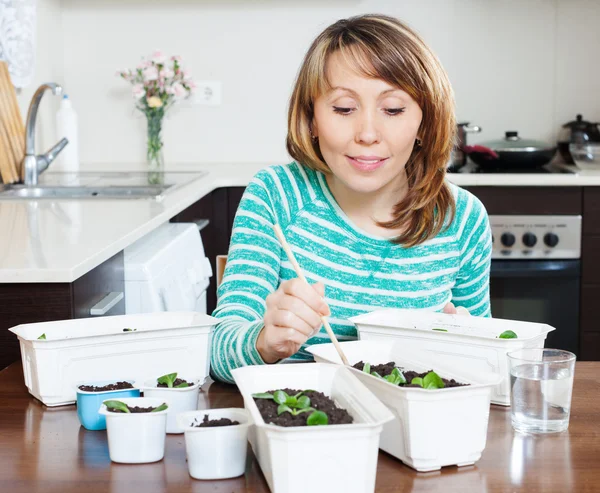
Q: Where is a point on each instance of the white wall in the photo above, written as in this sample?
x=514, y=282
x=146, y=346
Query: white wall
x=526, y=65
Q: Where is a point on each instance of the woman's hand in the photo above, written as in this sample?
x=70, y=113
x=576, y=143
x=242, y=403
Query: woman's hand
x=455, y=310
x=293, y=315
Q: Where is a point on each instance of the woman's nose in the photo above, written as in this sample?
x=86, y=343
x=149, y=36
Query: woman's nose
x=367, y=132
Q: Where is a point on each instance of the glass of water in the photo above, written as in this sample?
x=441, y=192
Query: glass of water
x=541, y=384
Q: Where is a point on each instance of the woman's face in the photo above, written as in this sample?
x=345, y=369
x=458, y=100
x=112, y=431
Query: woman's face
x=366, y=129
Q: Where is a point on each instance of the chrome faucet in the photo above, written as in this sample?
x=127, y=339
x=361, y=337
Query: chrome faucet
x=34, y=165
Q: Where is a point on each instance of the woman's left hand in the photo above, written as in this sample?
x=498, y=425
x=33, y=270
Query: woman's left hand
x=450, y=309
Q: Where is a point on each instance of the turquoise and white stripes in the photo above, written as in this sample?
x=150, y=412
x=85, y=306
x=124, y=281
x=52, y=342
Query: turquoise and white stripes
x=360, y=272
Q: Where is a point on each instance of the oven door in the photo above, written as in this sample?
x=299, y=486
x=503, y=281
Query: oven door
x=545, y=291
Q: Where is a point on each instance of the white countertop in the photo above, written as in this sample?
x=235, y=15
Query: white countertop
x=61, y=240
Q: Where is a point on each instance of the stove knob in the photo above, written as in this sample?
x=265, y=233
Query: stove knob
x=551, y=239
x=529, y=240
x=507, y=239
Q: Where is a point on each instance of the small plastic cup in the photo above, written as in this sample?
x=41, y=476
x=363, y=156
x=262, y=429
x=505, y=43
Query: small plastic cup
x=88, y=403
x=541, y=385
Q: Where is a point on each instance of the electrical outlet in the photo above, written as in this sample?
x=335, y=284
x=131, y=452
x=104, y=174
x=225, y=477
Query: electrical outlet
x=208, y=92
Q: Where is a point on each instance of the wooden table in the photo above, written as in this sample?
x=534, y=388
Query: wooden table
x=46, y=450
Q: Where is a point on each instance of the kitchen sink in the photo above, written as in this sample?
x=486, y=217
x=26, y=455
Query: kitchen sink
x=77, y=192
x=100, y=185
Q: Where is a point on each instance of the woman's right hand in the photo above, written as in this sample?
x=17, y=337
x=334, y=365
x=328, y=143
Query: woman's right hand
x=293, y=315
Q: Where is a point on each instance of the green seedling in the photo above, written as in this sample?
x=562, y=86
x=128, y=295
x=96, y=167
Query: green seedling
x=508, y=334
x=440, y=330
x=430, y=381
x=121, y=406
x=117, y=405
x=162, y=407
x=395, y=378
x=169, y=379
x=42, y=337
x=295, y=405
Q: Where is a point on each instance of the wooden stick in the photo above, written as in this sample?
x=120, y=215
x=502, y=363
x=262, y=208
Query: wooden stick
x=300, y=274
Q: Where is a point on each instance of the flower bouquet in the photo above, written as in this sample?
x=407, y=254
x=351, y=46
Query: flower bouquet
x=158, y=83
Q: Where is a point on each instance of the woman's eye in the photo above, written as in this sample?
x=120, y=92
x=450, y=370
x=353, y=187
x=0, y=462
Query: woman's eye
x=394, y=111
x=343, y=111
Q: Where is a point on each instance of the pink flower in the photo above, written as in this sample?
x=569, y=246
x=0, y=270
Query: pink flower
x=138, y=91
x=191, y=84
x=176, y=58
x=150, y=73
x=166, y=73
x=179, y=91
x=158, y=57
x=170, y=91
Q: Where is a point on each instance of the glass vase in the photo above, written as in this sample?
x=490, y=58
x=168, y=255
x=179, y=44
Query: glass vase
x=154, y=151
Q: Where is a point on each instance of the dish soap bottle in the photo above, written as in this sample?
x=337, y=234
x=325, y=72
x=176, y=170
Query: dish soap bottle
x=66, y=126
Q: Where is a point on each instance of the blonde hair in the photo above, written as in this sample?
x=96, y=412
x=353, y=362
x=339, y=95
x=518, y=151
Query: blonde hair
x=382, y=47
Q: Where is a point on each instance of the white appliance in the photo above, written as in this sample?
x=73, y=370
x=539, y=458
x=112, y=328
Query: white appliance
x=167, y=270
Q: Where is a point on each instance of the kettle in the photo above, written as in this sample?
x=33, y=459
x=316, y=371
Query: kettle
x=578, y=131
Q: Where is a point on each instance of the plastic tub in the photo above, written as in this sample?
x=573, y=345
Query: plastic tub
x=337, y=458
x=99, y=349
x=469, y=345
x=432, y=428
x=217, y=452
x=88, y=403
x=179, y=400
x=136, y=438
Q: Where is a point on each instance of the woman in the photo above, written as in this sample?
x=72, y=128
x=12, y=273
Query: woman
x=365, y=206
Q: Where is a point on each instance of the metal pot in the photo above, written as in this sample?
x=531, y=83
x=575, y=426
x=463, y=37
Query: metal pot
x=512, y=152
x=458, y=157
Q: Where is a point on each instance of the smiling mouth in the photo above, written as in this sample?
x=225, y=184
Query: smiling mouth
x=366, y=163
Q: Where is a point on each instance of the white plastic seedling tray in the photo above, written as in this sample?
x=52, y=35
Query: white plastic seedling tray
x=98, y=349
x=432, y=428
x=334, y=457
x=469, y=346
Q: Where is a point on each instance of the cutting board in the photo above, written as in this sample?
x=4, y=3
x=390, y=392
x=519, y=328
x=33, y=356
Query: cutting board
x=12, y=129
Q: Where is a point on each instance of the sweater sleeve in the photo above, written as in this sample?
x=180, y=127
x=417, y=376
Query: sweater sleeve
x=472, y=287
x=251, y=274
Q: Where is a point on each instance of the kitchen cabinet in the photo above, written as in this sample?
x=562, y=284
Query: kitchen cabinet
x=41, y=302
x=590, y=287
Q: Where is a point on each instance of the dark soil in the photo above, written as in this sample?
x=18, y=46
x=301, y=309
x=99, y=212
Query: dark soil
x=387, y=368
x=112, y=386
x=209, y=423
x=178, y=381
x=318, y=401
x=135, y=409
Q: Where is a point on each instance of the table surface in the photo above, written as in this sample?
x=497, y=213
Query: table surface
x=46, y=450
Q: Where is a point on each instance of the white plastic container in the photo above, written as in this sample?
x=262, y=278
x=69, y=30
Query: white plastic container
x=216, y=452
x=179, y=400
x=338, y=457
x=98, y=349
x=66, y=126
x=469, y=346
x=432, y=428
x=136, y=438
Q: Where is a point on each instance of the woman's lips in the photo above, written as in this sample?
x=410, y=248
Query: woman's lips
x=366, y=163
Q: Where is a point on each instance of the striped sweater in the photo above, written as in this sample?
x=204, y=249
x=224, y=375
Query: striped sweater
x=360, y=272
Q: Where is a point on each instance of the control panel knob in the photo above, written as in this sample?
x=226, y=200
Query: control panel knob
x=507, y=239
x=529, y=240
x=551, y=239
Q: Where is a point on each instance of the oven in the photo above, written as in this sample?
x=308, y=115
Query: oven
x=535, y=273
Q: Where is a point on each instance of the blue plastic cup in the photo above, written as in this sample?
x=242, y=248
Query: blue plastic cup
x=88, y=403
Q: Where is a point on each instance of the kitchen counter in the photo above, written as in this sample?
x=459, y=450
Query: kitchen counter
x=45, y=449
x=45, y=241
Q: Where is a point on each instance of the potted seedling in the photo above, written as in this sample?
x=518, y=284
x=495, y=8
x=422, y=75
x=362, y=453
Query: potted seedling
x=290, y=435
x=180, y=393
x=136, y=429
x=216, y=442
x=90, y=396
x=441, y=414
